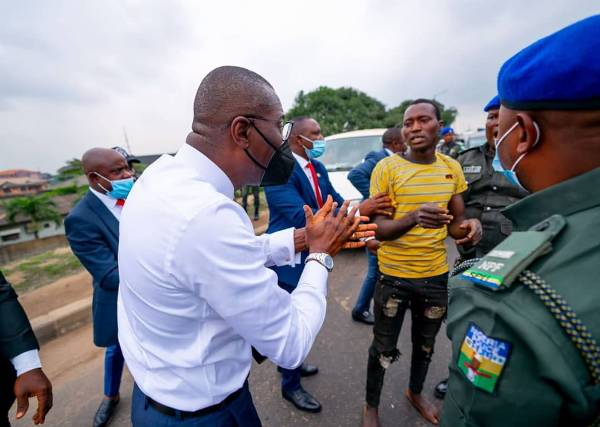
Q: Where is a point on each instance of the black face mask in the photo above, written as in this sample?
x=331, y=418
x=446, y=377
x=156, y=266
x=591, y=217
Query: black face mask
x=281, y=166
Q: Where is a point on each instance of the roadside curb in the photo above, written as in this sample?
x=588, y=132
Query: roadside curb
x=62, y=320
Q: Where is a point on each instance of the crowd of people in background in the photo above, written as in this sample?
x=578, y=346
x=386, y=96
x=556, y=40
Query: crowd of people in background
x=186, y=295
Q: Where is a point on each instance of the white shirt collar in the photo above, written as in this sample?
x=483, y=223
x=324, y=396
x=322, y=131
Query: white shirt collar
x=301, y=160
x=107, y=200
x=206, y=169
x=390, y=152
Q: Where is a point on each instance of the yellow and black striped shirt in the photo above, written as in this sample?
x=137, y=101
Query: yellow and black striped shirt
x=420, y=252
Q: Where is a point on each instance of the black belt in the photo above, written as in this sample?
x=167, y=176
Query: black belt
x=166, y=410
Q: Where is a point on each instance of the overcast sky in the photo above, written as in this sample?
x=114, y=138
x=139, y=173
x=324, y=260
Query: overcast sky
x=74, y=74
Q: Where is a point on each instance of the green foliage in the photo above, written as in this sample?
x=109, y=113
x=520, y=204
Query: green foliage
x=35, y=209
x=62, y=191
x=41, y=269
x=139, y=168
x=346, y=109
x=339, y=110
x=72, y=168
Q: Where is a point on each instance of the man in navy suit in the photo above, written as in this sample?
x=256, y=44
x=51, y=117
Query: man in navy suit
x=360, y=177
x=92, y=229
x=308, y=185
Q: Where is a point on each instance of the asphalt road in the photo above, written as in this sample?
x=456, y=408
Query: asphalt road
x=75, y=368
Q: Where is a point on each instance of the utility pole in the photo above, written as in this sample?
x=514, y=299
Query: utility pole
x=126, y=140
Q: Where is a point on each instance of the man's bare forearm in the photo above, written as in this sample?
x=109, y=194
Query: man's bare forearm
x=300, y=240
x=391, y=229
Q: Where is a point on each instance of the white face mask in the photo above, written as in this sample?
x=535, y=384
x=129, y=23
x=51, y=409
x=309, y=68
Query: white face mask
x=510, y=174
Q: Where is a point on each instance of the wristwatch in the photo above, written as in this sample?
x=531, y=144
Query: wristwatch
x=322, y=258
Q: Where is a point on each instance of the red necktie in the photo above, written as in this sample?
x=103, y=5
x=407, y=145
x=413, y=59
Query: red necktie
x=316, y=184
x=120, y=202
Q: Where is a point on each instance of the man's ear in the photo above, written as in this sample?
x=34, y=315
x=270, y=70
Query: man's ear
x=528, y=133
x=240, y=126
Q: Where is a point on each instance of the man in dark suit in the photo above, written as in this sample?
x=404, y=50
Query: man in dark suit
x=360, y=177
x=308, y=185
x=21, y=375
x=93, y=232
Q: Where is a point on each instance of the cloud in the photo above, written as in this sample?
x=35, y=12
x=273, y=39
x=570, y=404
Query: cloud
x=73, y=74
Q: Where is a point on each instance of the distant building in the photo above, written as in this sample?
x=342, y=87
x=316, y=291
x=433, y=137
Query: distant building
x=19, y=231
x=21, y=182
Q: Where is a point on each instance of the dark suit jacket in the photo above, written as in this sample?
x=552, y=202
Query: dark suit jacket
x=286, y=209
x=360, y=176
x=16, y=337
x=93, y=233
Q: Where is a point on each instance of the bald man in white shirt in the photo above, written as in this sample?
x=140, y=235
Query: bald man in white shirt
x=195, y=290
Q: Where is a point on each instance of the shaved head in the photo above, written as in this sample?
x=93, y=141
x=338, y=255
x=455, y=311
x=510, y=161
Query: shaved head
x=300, y=123
x=390, y=135
x=101, y=165
x=227, y=92
x=96, y=158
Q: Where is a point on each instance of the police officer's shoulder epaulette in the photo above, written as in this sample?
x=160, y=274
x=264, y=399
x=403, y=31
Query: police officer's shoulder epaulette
x=468, y=150
x=503, y=264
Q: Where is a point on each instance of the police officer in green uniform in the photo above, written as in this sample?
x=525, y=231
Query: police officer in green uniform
x=489, y=191
x=524, y=321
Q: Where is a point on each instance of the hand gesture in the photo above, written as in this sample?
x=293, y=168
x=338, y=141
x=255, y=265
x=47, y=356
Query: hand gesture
x=380, y=204
x=326, y=231
x=473, y=228
x=431, y=215
x=33, y=383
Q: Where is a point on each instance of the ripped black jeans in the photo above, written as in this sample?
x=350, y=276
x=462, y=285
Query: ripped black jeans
x=427, y=299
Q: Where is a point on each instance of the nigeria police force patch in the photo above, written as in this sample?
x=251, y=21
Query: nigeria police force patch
x=482, y=358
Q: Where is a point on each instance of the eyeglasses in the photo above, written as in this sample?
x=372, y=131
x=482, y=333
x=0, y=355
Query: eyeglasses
x=285, y=127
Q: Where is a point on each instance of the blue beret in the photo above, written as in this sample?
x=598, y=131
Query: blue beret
x=494, y=104
x=559, y=72
x=446, y=130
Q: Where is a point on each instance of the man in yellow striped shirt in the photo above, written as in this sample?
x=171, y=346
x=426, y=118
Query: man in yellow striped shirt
x=425, y=187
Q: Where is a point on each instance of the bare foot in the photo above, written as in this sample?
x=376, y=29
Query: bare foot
x=425, y=408
x=370, y=417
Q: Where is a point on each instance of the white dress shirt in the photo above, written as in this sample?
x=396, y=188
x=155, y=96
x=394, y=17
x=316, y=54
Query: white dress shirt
x=109, y=202
x=195, y=292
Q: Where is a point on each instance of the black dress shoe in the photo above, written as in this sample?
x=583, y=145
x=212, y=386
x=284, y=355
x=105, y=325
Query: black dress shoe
x=440, y=390
x=302, y=400
x=105, y=412
x=307, y=370
x=365, y=317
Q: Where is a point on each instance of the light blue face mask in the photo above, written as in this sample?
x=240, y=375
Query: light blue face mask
x=120, y=187
x=510, y=174
x=318, y=147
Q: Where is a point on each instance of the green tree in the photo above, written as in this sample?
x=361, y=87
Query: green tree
x=339, y=110
x=35, y=209
x=395, y=115
x=71, y=169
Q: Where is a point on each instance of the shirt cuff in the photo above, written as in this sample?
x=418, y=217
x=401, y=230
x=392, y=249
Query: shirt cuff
x=281, y=250
x=314, y=276
x=26, y=362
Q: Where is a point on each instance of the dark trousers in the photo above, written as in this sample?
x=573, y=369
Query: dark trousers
x=427, y=299
x=240, y=412
x=290, y=378
x=113, y=370
x=363, y=302
x=7, y=397
x=246, y=190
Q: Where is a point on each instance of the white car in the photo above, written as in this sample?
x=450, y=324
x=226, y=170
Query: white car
x=474, y=139
x=346, y=150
